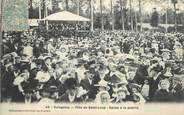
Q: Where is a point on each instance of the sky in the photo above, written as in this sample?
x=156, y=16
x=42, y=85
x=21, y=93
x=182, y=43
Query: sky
x=148, y=5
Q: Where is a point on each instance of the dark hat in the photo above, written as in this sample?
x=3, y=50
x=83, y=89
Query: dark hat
x=70, y=83
x=88, y=71
x=39, y=61
x=114, y=80
x=156, y=69
x=25, y=66
x=30, y=86
x=168, y=64
x=91, y=62
x=50, y=89
x=47, y=57
x=25, y=61
x=24, y=55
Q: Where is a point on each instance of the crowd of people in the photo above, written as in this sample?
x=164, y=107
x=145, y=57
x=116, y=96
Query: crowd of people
x=105, y=67
x=67, y=26
x=67, y=29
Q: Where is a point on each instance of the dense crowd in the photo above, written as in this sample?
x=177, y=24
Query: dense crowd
x=67, y=29
x=106, y=67
x=67, y=26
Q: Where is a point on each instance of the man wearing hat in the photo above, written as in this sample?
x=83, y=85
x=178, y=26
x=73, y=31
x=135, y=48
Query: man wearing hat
x=153, y=81
x=88, y=84
x=49, y=95
x=126, y=47
x=37, y=49
x=135, y=94
x=17, y=62
x=92, y=67
x=7, y=83
x=71, y=94
x=141, y=73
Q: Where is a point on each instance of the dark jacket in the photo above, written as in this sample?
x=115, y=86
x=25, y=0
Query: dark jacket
x=179, y=96
x=92, y=90
x=163, y=96
x=7, y=83
x=153, y=84
x=65, y=99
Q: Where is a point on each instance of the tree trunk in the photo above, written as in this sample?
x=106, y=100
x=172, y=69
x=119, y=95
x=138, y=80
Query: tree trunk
x=44, y=8
x=166, y=21
x=122, y=16
x=102, y=18
x=31, y=4
x=131, y=21
x=140, y=14
x=78, y=6
x=40, y=10
x=175, y=19
x=135, y=21
x=66, y=3
x=91, y=7
x=112, y=14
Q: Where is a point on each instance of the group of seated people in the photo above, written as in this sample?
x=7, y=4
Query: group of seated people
x=68, y=26
x=106, y=67
x=67, y=29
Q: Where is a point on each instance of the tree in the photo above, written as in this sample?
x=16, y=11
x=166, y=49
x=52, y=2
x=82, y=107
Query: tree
x=140, y=14
x=122, y=16
x=175, y=20
x=154, y=18
x=112, y=15
x=67, y=6
x=101, y=12
x=131, y=20
x=91, y=12
x=31, y=9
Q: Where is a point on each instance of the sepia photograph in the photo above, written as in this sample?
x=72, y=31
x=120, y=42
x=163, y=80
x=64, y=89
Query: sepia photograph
x=104, y=52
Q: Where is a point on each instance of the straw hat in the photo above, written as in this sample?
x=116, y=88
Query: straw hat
x=103, y=83
x=165, y=50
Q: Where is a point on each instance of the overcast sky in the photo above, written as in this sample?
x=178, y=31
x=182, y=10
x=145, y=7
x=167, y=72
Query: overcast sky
x=148, y=5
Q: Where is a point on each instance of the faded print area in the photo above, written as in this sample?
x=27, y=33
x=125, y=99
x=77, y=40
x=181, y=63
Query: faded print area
x=15, y=15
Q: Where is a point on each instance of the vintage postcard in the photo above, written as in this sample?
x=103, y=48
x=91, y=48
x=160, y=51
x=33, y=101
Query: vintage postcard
x=92, y=57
